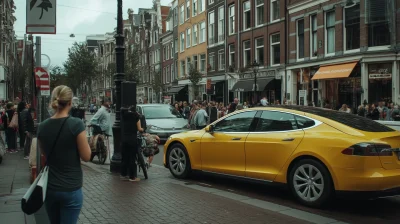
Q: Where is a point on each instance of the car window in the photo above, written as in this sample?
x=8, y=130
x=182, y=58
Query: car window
x=276, y=121
x=303, y=122
x=236, y=123
x=161, y=112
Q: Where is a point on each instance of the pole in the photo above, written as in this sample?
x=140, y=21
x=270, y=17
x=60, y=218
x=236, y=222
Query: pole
x=119, y=77
x=37, y=99
x=255, y=87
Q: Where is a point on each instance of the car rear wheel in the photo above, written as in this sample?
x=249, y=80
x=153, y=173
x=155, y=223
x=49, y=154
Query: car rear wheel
x=311, y=183
x=178, y=161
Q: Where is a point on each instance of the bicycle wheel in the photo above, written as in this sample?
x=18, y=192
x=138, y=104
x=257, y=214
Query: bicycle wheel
x=142, y=164
x=102, y=152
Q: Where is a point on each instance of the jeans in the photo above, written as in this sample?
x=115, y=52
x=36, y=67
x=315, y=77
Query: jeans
x=22, y=136
x=64, y=207
x=128, y=166
x=11, y=138
x=28, y=143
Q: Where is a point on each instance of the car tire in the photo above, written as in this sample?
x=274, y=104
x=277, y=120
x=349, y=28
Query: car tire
x=178, y=161
x=311, y=188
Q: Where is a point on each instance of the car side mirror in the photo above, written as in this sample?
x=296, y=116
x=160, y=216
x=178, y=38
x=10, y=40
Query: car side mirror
x=210, y=128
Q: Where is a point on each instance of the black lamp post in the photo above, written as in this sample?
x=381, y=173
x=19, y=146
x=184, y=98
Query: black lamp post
x=119, y=77
x=255, y=70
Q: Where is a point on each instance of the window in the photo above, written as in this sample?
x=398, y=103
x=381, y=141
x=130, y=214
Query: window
x=276, y=121
x=175, y=17
x=171, y=51
x=176, y=45
x=182, y=42
x=246, y=53
x=202, y=63
x=187, y=9
x=182, y=14
x=202, y=32
x=210, y=2
x=221, y=24
x=259, y=12
x=167, y=74
x=378, y=24
x=275, y=10
x=303, y=122
x=330, y=32
x=313, y=36
x=188, y=65
x=275, y=49
x=168, y=52
x=300, y=39
x=260, y=51
x=352, y=27
x=171, y=78
x=164, y=53
x=202, y=5
x=246, y=15
x=221, y=59
x=183, y=68
x=231, y=55
x=194, y=8
x=195, y=62
x=231, y=19
x=176, y=71
x=211, y=28
x=195, y=35
x=211, y=62
x=236, y=123
x=188, y=38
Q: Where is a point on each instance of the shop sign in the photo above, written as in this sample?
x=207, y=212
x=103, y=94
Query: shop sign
x=380, y=71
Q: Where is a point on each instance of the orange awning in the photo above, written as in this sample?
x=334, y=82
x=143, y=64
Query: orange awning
x=335, y=71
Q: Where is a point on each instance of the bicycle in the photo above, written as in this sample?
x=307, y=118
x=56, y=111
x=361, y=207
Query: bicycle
x=99, y=143
x=139, y=155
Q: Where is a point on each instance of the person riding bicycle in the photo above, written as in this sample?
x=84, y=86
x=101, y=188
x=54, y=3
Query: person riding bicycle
x=102, y=118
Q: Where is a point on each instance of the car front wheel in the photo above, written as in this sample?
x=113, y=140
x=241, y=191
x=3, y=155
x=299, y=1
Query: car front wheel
x=178, y=161
x=311, y=183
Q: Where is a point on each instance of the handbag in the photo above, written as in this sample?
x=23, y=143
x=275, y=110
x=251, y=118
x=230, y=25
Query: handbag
x=14, y=121
x=34, y=198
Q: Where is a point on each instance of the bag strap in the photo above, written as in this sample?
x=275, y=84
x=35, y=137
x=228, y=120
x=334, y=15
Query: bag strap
x=55, y=142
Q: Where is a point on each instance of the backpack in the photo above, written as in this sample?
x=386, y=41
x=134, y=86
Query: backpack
x=14, y=121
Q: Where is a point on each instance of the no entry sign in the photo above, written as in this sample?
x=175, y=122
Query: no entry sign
x=42, y=81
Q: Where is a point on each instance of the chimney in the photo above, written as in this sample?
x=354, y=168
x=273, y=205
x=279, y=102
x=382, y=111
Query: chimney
x=130, y=13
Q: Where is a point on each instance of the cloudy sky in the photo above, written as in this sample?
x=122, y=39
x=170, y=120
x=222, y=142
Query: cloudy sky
x=80, y=17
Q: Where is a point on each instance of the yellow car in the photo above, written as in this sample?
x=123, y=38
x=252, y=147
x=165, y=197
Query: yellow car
x=316, y=152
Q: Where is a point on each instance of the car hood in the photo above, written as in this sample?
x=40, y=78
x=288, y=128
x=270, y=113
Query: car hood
x=170, y=123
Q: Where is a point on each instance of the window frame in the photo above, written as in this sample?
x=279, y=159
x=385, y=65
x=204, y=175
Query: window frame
x=312, y=32
x=205, y=32
x=194, y=6
x=211, y=55
x=188, y=38
x=272, y=48
x=195, y=37
x=211, y=28
x=295, y=116
x=251, y=126
x=256, y=58
x=221, y=57
x=203, y=6
x=244, y=15
x=221, y=24
x=244, y=53
x=230, y=16
x=182, y=42
x=272, y=11
x=205, y=63
x=187, y=10
x=326, y=33
x=345, y=32
x=183, y=68
x=182, y=14
x=262, y=5
x=230, y=54
x=298, y=58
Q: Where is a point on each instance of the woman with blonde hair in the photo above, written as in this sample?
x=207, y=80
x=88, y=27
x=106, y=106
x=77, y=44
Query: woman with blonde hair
x=62, y=139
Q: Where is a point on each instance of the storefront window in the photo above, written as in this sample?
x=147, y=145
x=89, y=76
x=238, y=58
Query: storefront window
x=380, y=82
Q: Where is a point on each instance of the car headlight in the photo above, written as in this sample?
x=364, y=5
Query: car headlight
x=152, y=127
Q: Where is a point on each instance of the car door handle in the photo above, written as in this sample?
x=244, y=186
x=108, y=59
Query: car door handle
x=236, y=139
x=288, y=139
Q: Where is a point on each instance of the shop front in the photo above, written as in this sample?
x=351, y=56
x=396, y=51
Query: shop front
x=380, y=82
x=341, y=84
x=252, y=90
x=178, y=93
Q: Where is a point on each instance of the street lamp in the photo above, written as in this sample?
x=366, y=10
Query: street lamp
x=255, y=70
x=119, y=77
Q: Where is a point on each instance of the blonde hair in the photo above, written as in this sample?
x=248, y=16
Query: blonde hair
x=60, y=97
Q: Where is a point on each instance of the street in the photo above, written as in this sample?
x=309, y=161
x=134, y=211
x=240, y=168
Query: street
x=275, y=199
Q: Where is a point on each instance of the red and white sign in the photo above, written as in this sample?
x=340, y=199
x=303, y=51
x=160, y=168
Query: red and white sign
x=42, y=81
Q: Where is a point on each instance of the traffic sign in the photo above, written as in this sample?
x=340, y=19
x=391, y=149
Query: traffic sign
x=42, y=81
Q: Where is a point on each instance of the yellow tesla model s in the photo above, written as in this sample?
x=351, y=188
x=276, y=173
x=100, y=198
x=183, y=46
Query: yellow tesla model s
x=316, y=152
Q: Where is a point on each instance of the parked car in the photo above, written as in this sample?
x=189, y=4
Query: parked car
x=316, y=152
x=162, y=120
x=393, y=124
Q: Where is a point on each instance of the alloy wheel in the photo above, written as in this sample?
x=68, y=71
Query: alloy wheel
x=177, y=161
x=308, y=182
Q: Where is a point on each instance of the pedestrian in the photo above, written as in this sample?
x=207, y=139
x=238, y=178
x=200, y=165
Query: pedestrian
x=396, y=113
x=200, y=119
x=22, y=113
x=64, y=196
x=232, y=106
x=131, y=125
x=264, y=101
x=345, y=109
x=186, y=110
x=28, y=126
x=213, y=114
x=11, y=133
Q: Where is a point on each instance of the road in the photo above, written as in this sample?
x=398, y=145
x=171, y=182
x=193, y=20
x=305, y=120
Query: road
x=383, y=210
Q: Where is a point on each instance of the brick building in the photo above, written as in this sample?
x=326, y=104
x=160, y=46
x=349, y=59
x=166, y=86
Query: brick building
x=343, y=52
x=168, y=62
x=255, y=33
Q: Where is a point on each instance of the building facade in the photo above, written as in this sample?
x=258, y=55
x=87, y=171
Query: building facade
x=168, y=62
x=343, y=52
x=192, y=45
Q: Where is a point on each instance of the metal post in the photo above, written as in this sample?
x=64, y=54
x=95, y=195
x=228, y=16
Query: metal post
x=255, y=87
x=38, y=99
x=119, y=77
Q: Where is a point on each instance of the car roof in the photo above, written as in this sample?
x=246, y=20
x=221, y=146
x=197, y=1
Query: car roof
x=153, y=104
x=350, y=120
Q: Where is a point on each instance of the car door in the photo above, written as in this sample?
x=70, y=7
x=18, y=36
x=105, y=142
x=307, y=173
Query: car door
x=274, y=139
x=222, y=151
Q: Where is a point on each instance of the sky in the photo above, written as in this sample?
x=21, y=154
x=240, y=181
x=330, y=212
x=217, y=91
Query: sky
x=80, y=17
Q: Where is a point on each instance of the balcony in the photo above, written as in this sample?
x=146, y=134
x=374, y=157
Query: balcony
x=221, y=37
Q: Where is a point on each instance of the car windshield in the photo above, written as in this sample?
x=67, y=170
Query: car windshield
x=161, y=112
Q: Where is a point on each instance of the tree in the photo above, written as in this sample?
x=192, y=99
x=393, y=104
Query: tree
x=57, y=77
x=81, y=67
x=195, y=77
